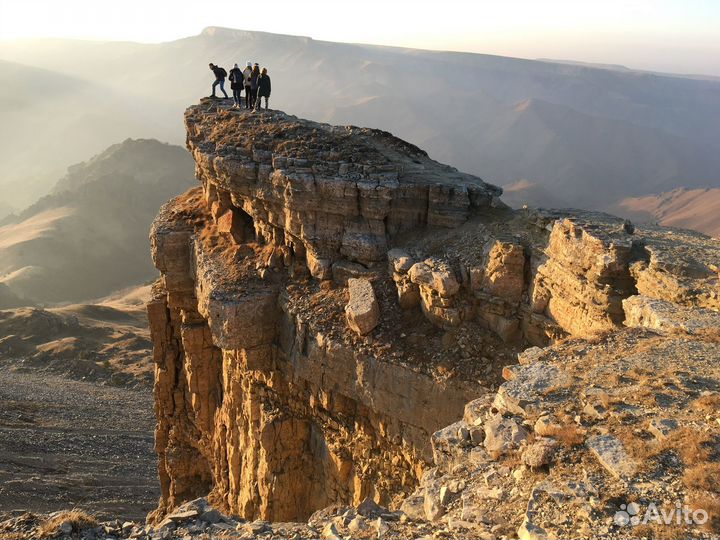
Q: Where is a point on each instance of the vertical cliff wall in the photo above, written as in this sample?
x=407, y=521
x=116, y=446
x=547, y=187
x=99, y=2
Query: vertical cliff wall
x=277, y=399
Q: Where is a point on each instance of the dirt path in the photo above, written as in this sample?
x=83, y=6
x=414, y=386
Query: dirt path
x=67, y=443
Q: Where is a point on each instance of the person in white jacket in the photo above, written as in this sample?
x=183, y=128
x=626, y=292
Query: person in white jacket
x=247, y=72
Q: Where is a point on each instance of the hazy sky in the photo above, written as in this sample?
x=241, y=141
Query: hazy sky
x=667, y=35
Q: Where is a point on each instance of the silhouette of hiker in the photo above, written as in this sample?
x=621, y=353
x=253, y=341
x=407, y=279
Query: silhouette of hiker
x=254, y=76
x=247, y=72
x=263, y=89
x=236, y=85
x=220, y=75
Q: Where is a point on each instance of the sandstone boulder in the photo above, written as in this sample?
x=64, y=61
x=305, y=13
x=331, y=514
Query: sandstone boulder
x=540, y=453
x=664, y=316
x=400, y=260
x=503, y=435
x=362, y=311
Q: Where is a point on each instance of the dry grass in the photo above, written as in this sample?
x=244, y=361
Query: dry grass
x=569, y=435
x=705, y=476
x=711, y=504
x=77, y=518
x=694, y=447
x=657, y=531
x=10, y=535
x=709, y=403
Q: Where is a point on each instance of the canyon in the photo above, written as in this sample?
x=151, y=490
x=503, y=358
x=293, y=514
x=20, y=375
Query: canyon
x=343, y=322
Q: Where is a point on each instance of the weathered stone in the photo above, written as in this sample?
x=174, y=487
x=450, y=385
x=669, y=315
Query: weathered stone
x=408, y=294
x=540, y=453
x=330, y=532
x=344, y=270
x=529, y=387
x=611, y=455
x=362, y=311
x=183, y=516
x=664, y=316
x=504, y=272
x=586, y=275
x=421, y=274
x=369, y=508
x=400, y=261
x=529, y=531
x=434, y=509
x=357, y=524
x=414, y=506
x=662, y=428
x=260, y=384
x=502, y=435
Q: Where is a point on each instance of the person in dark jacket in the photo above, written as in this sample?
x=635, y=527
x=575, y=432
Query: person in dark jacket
x=247, y=72
x=263, y=89
x=236, y=85
x=220, y=75
x=254, y=76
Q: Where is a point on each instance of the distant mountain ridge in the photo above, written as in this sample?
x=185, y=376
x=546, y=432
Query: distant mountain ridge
x=89, y=237
x=593, y=134
x=697, y=209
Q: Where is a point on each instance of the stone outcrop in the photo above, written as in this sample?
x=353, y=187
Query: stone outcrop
x=328, y=192
x=336, y=306
x=256, y=389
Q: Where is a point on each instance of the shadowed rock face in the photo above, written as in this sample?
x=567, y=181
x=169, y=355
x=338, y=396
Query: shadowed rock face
x=262, y=383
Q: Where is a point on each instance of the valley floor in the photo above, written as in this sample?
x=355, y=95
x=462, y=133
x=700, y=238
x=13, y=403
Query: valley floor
x=67, y=444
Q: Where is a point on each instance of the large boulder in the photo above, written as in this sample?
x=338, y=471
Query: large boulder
x=362, y=311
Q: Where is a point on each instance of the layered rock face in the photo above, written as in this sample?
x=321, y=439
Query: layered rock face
x=331, y=297
x=256, y=394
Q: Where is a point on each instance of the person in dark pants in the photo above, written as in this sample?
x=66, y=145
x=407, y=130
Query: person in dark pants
x=236, y=85
x=254, y=76
x=247, y=72
x=220, y=75
x=263, y=89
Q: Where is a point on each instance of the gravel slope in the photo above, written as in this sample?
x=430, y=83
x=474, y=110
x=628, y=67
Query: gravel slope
x=69, y=443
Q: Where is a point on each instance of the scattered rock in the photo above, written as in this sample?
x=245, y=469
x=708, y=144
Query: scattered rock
x=611, y=455
x=502, y=435
x=662, y=428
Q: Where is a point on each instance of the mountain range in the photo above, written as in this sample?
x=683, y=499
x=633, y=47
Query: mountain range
x=587, y=135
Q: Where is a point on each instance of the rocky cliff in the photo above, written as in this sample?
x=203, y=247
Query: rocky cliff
x=331, y=298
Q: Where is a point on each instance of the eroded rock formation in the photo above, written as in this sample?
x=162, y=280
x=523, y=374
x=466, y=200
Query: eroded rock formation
x=331, y=297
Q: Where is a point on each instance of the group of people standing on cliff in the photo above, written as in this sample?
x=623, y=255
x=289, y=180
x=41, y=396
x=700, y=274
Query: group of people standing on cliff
x=255, y=82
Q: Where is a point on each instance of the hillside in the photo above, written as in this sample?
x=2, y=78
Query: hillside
x=106, y=340
x=567, y=127
x=697, y=209
x=89, y=237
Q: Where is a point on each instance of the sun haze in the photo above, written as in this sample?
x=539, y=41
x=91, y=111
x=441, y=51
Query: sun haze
x=665, y=35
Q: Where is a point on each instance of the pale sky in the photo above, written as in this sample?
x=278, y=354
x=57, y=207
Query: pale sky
x=680, y=36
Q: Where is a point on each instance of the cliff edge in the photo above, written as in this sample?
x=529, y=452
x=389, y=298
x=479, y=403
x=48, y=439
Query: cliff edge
x=332, y=299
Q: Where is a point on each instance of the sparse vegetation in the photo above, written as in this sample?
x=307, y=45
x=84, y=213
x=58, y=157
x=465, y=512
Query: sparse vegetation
x=709, y=403
x=705, y=476
x=711, y=504
x=568, y=434
x=77, y=519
